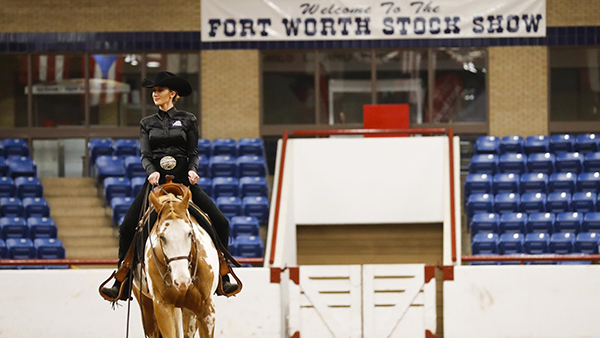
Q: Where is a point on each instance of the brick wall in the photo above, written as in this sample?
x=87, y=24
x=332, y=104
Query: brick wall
x=573, y=12
x=99, y=16
x=518, y=90
x=230, y=93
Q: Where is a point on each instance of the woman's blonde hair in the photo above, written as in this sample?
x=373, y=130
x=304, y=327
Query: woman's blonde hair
x=176, y=98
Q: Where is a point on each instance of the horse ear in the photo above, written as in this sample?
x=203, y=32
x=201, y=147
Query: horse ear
x=186, y=198
x=154, y=200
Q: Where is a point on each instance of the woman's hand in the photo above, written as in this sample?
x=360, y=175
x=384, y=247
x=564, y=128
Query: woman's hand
x=193, y=177
x=154, y=177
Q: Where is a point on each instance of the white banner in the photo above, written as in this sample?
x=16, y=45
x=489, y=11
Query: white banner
x=293, y=20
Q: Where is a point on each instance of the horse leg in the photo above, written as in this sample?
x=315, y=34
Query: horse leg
x=205, y=314
x=190, y=323
x=166, y=318
x=147, y=310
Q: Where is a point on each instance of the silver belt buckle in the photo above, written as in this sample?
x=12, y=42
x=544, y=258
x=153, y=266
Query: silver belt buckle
x=168, y=162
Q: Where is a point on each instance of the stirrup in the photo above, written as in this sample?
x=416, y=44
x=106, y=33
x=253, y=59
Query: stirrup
x=224, y=270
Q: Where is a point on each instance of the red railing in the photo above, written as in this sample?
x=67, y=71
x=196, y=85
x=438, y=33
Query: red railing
x=72, y=262
x=334, y=132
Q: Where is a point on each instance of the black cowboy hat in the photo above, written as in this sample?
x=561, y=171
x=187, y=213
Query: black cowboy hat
x=171, y=81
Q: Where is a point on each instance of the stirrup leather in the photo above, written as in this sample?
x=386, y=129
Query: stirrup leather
x=225, y=269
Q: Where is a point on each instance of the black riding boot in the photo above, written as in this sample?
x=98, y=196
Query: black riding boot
x=113, y=291
x=228, y=286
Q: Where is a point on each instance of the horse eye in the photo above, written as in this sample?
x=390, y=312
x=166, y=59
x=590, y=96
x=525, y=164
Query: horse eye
x=190, y=234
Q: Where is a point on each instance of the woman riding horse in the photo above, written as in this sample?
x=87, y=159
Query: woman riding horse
x=168, y=142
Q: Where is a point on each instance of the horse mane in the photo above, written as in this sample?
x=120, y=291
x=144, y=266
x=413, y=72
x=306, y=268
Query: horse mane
x=172, y=211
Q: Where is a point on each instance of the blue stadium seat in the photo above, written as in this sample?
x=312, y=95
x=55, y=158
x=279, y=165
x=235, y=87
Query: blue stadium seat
x=223, y=166
x=558, y=202
x=225, y=186
x=507, y=202
x=119, y=206
x=511, y=144
x=250, y=146
x=536, y=144
x=562, y=182
x=251, y=166
x=14, y=227
x=254, y=186
x=49, y=248
x=569, y=163
x=587, y=143
x=204, y=147
x=133, y=167
x=99, y=147
x=42, y=227
x=562, y=143
x=541, y=222
x=478, y=184
x=534, y=182
x=584, y=201
x=224, y=146
x=205, y=184
x=588, y=182
x=108, y=166
x=541, y=163
x=484, y=164
x=125, y=147
x=484, y=244
x=484, y=222
x=591, y=162
x=512, y=222
x=505, y=183
x=568, y=222
x=533, y=202
x=203, y=166
x=562, y=243
x=20, y=166
x=136, y=185
x=512, y=163
x=36, y=207
x=3, y=252
x=232, y=246
x=116, y=187
x=20, y=248
x=479, y=203
x=11, y=207
x=537, y=243
x=7, y=187
x=487, y=145
x=29, y=186
x=249, y=246
x=244, y=225
x=591, y=222
x=256, y=206
x=511, y=243
x=3, y=166
x=15, y=147
x=587, y=243
x=230, y=206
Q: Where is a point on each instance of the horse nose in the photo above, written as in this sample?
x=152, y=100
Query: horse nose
x=181, y=285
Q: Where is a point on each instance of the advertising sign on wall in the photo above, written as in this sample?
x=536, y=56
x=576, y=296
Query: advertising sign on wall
x=293, y=20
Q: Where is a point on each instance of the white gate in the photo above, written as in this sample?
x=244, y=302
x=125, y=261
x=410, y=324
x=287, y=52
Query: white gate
x=363, y=301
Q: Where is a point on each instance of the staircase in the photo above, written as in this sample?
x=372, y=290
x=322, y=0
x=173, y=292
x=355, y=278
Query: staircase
x=84, y=225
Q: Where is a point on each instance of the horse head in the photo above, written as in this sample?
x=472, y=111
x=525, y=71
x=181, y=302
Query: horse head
x=173, y=236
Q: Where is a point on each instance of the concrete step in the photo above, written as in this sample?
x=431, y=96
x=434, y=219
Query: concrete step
x=90, y=242
x=89, y=231
x=77, y=211
x=82, y=252
x=79, y=202
x=52, y=182
x=63, y=222
x=84, y=191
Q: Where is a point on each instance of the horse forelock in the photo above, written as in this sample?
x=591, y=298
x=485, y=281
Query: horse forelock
x=172, y=210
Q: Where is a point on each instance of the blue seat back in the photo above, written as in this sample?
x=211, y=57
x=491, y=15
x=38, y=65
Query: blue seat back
x=484, y=244
x=249, y=246
x=584, y=201
x=256, y=206
x=250, y=146
x=21, y=248
x=204, y=147
x=513, y=222
x=224, y=146
x=225, y=186
x=14, y=227
x=251, y=165
x=484, y=163
x=254, y=186
x=223, y=166
x=507, y=202
x=15, y=147
x=512, y=163
x=569, y=163
x=587, y=143
x=536, y=144
x=562, y=243
x=511, y=243
x=205, y=184
x=11, y=207
x=568, y=222
x=133, y=167
x=562, y=182
x=541, y=222
x=487, y=145
x=7, y=187
x=533, y=202
x=558, y=202
x=591, y=222
x=505, y=183
x=479, y=203
x=537, y=243
x=591, y=162
x=541, y=162
x=587, y=243
x=244, y=225
x=534, y=182
x=49, y=248
x=230, y=206
x=562, y=143
x=42, y=227
x=511, y=144
x=36, y=207
x=125, y=147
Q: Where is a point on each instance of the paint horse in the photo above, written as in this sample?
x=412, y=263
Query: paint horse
x=181, y=271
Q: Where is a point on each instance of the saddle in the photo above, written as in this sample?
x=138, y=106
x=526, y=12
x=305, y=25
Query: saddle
x=123, y=273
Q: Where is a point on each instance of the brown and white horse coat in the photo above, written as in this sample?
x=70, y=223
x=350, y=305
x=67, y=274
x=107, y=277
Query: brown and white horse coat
x=175, y=302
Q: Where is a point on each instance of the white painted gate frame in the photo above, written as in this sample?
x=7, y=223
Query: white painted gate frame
x=360, y=301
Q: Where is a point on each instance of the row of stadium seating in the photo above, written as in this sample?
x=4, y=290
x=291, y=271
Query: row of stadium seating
x=537, y=162
x=548, y=222
x=13, y=147
x=217, y=187
x=537, y=144
x=513, y=243
x=255, y=206
x=21, y=187
x=219, y=146
x=532, y=183
x=246, y=246
x=215, y=166
x=28, y=207
x=14, y=166
x=32, y=227
x=25, y=248
x=533, y=202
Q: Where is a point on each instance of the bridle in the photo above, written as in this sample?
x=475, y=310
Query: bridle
x=168, y=260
